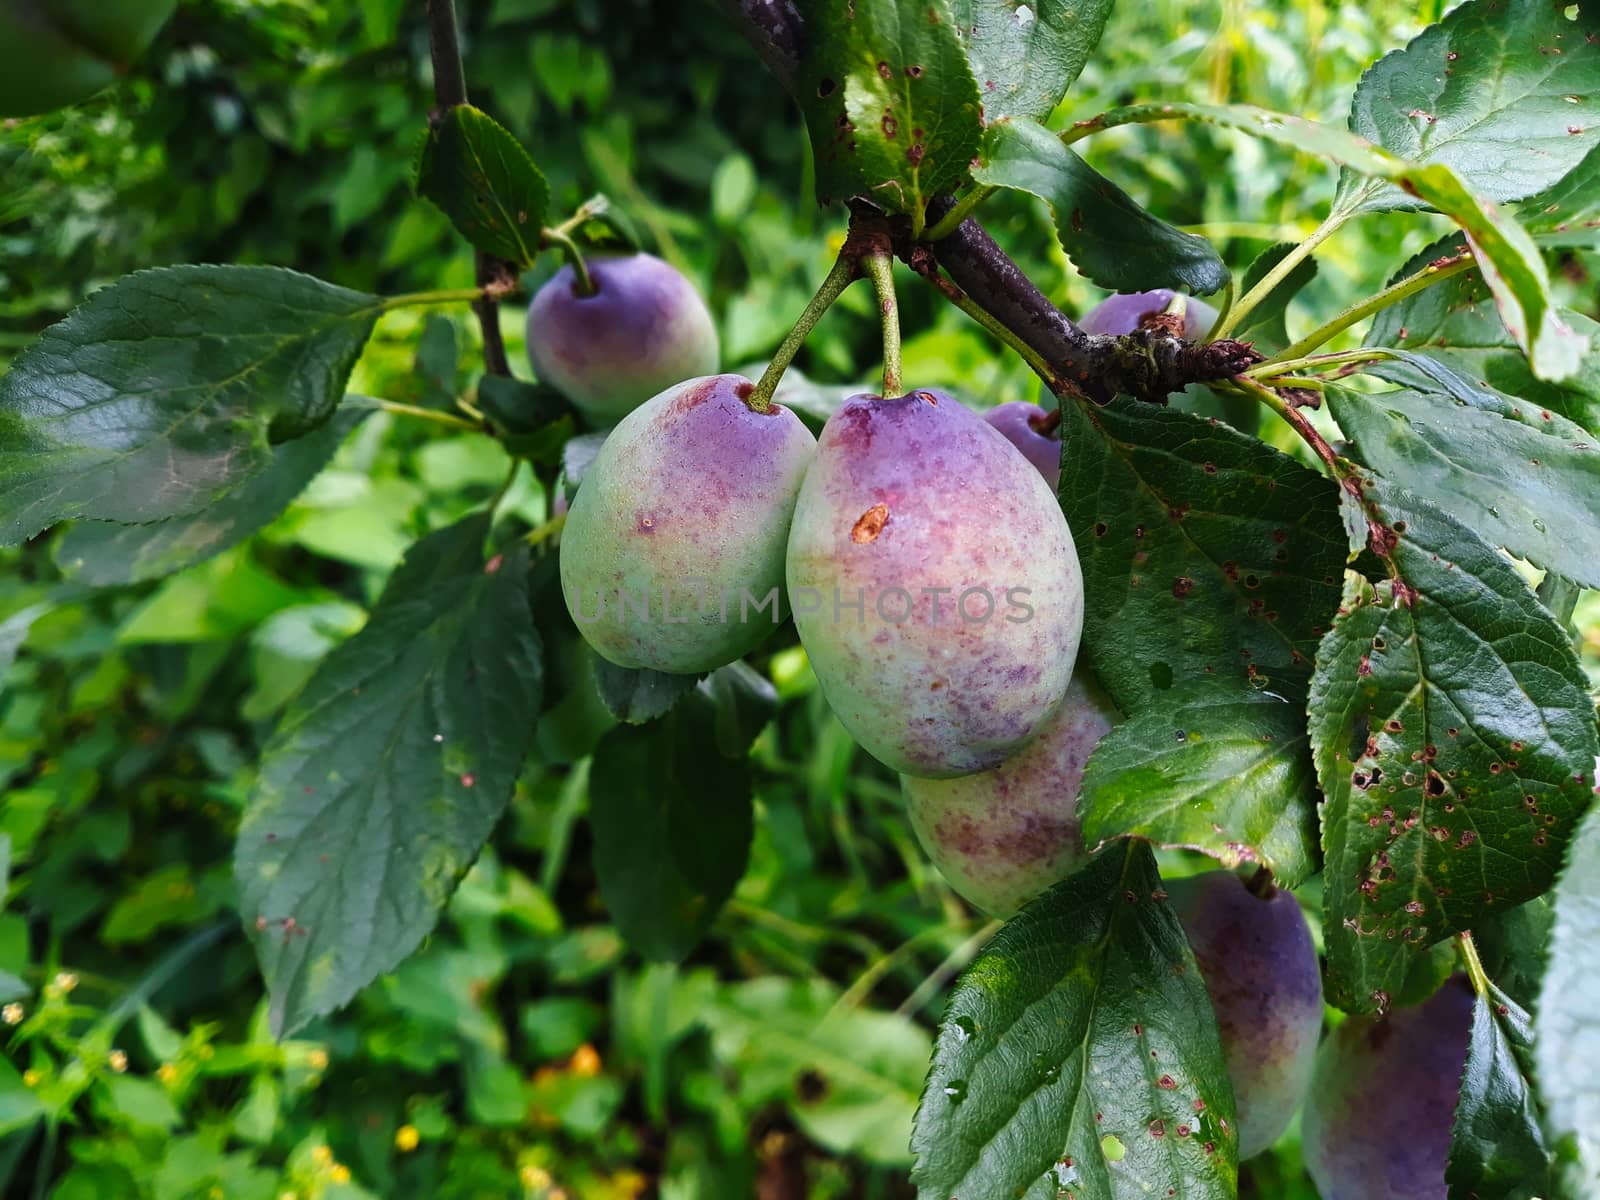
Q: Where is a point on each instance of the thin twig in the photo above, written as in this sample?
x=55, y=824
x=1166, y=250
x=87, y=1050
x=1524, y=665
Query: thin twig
x=841, y=275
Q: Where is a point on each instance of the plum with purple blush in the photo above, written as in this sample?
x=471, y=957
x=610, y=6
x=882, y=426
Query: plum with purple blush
x=1261, y=971
x=1021, y=423
x=672, y=554
x=935, y=585
x=1002, y=836
x=643, y=329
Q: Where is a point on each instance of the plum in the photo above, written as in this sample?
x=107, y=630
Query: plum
x=57, y=52
x=1018, y=420
x=1383, y=1100
x=934, y=583
x=672, y=552
x=1261, y=971
x=643, y=329
x=1121, y=313
x=1001, y=836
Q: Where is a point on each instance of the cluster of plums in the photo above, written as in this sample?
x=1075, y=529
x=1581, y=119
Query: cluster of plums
x=923, y=555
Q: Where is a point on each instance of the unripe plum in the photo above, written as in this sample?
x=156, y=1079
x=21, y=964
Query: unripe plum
x=1383, y=1100
x=935, y=585
x=57, y=52
x=1002, y=836
x=1261, y=971
x=678, y=530
x=644, y=329
x=1122, y=313
x=1017, y=419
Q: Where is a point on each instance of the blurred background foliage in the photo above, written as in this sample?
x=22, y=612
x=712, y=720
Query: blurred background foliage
x=523, y=1052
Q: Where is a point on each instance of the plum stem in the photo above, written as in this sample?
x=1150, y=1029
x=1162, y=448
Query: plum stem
x=843, y=273
x=879, y=266
x=569, y=249
x=1281, y=271
x=450, y=90
x=959, y=212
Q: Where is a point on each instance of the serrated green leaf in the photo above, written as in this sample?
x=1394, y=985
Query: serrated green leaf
x=1506, y=93
x=1456, y=322
x=1206, y=554
x=484, y=181
x=1212, y=767
x=1450, y=725
x=1567, y=213
x=1513, y=945
x=1523, y=479
x=1109, y=237
x=1265, y=325
x=890, y=102
x=1025, y=57
x=672, y=827
x=1079, y=1053
x=160, y=394
x=106, y=554
x=1496, y=1146
x=387, y=774
x=743, y=700
x=637, y=695
x=1565, y=1053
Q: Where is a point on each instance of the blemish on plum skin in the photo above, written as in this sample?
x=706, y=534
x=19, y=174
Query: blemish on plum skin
x=870, y=524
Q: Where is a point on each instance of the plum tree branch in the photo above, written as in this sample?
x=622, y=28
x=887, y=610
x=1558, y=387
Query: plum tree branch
x=450, y=90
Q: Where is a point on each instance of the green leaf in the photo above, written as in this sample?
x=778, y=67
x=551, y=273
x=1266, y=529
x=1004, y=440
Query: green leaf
x=533, y=420
x=1216, y=768
x=1110, y=239
x=1206, y=554
x=1079, y=1054
x=387, y=774
x=672, y=827
x=850, y=1076
x=637, y=695
x=1522, y=478
x=743, y=700
x=158, y=395
x=1567, y=213
x=1569, y=1020
x=1506, y=93
x=890, y=102
x=1450, y=724
x=106, y=554
x=1265, y=324
x=484, y=181
x=1456, y=322
x=1497, y=1148
x=1025, y=57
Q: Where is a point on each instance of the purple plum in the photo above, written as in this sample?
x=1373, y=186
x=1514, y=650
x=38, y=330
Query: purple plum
x=672, y=553
x=934, y=583
x=644, y=329
x=1383, y=1100
x=1019, y=421
x=1001, y=836
x=1261, y=970
x=1122, y=313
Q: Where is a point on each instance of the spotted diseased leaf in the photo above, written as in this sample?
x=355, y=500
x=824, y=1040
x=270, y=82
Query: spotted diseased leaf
x=387, y=774
x=483, y=180
x=672, y=825
x=1497, y=1149
x=1455, y=322
x=1506, y=93
x=1567, y=1052
x=159, y=395
x=1207, y=555
x=1523, y=478
x=1108, y=236
x=1026, y=56
x=106, y=554
x=1567, y=213
x=1451, y=728
x=1217, y=768
x=1079, y=1055
x=890, y=102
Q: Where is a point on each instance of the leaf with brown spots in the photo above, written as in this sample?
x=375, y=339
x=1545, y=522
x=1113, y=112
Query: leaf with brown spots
x=1079, y=1055
x=1027, y=56
x=484, y=181
x=1451, y=730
